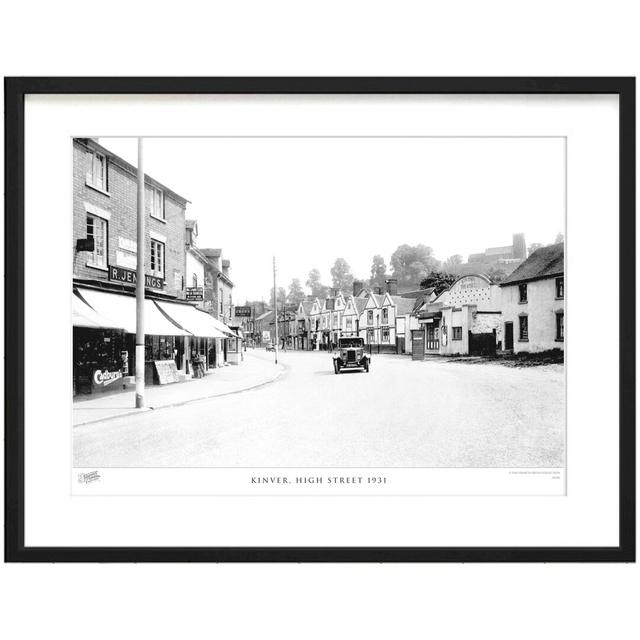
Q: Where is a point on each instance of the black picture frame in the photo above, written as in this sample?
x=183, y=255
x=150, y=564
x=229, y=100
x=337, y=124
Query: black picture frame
x=15, y=91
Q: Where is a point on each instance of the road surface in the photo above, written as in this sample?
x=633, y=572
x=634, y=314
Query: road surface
x=435, y=413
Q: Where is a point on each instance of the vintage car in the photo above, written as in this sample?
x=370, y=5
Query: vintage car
x=350, y=355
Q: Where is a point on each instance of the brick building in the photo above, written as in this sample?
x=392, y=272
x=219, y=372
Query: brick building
x=104, y=207
x=104, y=255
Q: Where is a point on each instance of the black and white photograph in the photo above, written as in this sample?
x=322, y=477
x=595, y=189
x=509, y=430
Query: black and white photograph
x=360, y=317
x=323, y=302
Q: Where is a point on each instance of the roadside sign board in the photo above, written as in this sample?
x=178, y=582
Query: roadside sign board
x=167, y=371
x=195, y=294
x=119, y=274
x=242, y=312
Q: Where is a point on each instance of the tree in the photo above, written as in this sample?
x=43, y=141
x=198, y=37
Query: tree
x=496, y=274
x=378, y=272
x=342, y=276
x=282, y=297
x=410, y=264
x=439, y=280
x=318, y=290
x=451, y=264
x=296, y=294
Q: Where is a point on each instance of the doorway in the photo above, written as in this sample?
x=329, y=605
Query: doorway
x=508, y=336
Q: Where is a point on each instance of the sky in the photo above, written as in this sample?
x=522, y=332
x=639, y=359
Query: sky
x=308, y=201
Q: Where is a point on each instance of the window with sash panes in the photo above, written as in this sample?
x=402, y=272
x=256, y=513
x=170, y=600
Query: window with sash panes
x=370, y=317
x=97, y=229
x=157, y=258
x=560, y=327
x=385, y=335
x=97, y=174
x=154, y=202
x=524, y=328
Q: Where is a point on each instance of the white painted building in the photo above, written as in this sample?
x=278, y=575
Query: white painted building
x=533, y=302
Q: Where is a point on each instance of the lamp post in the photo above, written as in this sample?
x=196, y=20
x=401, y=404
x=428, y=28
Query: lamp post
x=275, y=307
x=140, y=355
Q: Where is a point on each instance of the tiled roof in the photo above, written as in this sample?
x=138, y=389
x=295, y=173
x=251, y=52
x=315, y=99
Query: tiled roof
x=403, y=305
x=417, y=293
x=212, y=253
x=267, y=315
x=545, y=262
x=360, y=304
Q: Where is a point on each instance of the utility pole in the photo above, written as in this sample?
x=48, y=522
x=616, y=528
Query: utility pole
x=275, y=305
x=140, y=355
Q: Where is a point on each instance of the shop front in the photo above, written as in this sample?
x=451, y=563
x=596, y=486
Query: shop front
x=104, y=356
x=207, y=334
x=101, y=351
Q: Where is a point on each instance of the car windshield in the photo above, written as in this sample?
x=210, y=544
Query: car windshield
x=350, y=342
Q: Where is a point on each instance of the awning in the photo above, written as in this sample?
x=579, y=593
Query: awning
x=122, y=310
x=199, y=323
x=222, y=327
x=429, y=315
x=84, y=316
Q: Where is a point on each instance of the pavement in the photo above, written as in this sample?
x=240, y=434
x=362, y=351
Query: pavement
x=256, y=370
x=402, y=413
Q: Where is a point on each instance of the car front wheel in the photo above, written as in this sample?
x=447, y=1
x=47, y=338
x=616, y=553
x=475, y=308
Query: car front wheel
x=336, y=366
x=366, y=366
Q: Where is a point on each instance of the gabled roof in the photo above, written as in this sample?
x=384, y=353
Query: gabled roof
x=306, y=306
x=403, y=305
x=267, y=315
x=545, y=262
x=212, y=253
x=360, y=304
x=418, y=293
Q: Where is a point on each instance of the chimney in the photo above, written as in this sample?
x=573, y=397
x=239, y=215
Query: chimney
x=357, y=287
x=377, y=290
x=334, y=293
x=392, y=286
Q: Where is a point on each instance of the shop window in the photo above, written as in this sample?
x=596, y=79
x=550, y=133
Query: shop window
x=524, y=328
x=370, y=317
x=157, y=258
x=97, y=229
x=522, y=289
x=154, y=202
x=385, y=335
x=385, y=316
x=560, y=287
x=97, y=174
x=560, y=326
x=370, y=336
x=456, y=333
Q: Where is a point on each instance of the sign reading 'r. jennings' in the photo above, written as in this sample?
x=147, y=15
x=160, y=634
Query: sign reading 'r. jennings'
x=119, y=274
